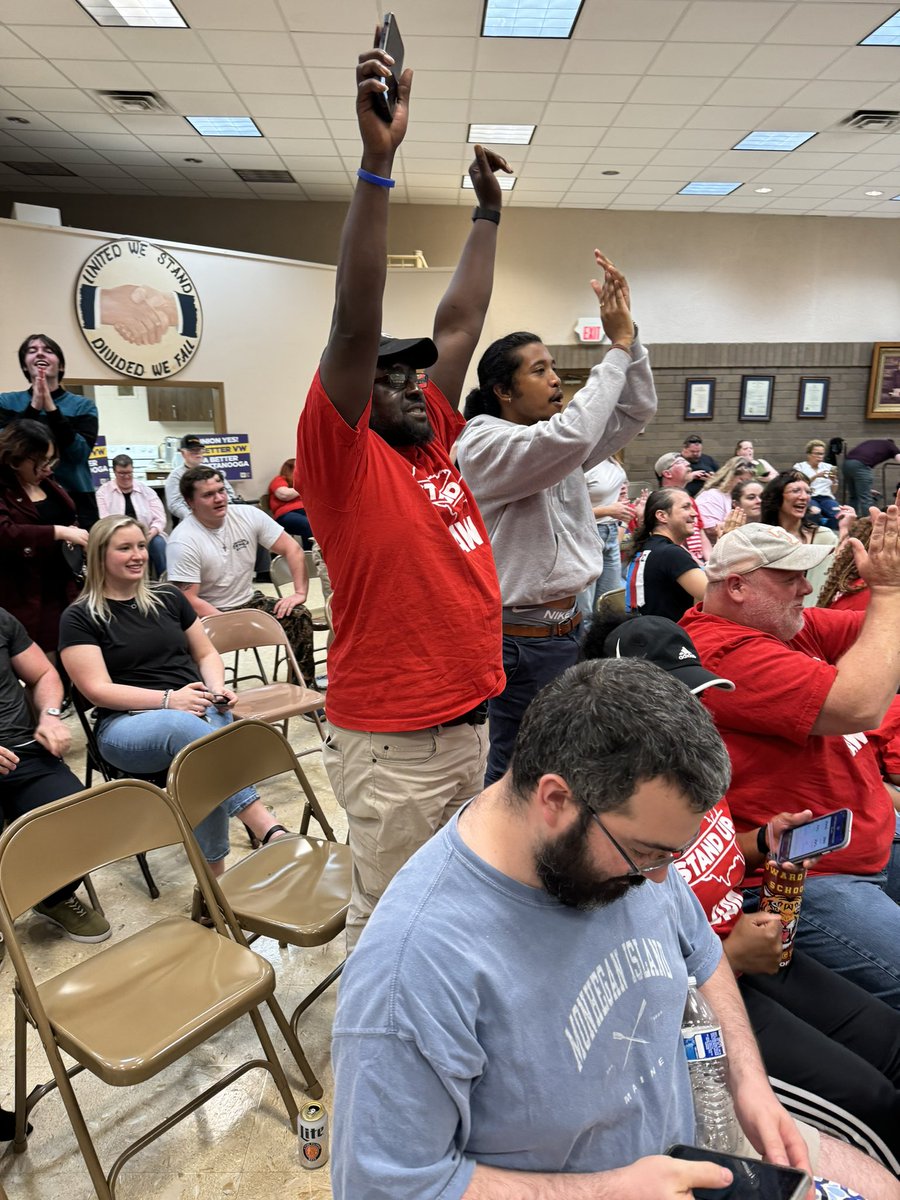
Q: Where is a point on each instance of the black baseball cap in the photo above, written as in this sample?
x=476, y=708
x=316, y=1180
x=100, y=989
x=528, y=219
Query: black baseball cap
x=666, y=644
x=190, y=441
x=414, y=352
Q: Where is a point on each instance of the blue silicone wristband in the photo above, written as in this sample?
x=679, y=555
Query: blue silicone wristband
x=380, y=180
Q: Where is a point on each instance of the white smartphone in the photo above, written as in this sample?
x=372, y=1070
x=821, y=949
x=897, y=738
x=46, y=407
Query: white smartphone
x=820, y=836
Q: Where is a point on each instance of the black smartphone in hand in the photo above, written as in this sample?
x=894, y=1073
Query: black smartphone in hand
x=752, y=1179
x=391, y=41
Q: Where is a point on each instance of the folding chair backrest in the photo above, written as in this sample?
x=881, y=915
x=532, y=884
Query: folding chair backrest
x=61, y=841
x=236, y=756
x=243, y=629
x=280, y=572
x=94, y=757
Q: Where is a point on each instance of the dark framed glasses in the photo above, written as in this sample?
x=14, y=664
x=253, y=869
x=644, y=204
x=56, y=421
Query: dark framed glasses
x=399, y=380
x=633, y=869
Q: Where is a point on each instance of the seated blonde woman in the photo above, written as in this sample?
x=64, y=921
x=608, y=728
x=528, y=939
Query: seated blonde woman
x=714, y=500
x=138, y=651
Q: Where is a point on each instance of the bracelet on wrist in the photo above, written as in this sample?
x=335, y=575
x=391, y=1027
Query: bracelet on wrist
x=166, y=694
x=379, y=180
x=621, y=346
x=486, y=214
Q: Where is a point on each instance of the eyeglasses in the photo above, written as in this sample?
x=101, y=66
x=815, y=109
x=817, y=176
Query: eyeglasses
x=399, y=380
x=633, y=868
x=48, y=464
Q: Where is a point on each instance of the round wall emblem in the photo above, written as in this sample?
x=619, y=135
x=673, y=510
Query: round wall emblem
x=138, y=309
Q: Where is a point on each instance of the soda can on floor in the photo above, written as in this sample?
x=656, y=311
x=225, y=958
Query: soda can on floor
x=312, y=1134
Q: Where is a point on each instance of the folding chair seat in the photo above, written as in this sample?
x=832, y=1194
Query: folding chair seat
x=129, y=1011
x=250, y=628
x=296, y=890
x=282, y=579
x=614, y=601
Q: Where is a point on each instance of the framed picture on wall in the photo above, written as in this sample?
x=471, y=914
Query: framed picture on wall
x=884, y=382
x=813, y=398
x=699, y=399
x=756, y=397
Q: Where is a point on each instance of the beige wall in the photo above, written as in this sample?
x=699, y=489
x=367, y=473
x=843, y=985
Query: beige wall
x=697, y=278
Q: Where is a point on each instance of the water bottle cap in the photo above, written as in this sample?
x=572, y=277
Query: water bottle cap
x=692, y=980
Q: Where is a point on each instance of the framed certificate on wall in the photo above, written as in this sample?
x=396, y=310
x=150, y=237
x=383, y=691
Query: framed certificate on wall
x=699, y=399
x=813, y=398
x=756, y=397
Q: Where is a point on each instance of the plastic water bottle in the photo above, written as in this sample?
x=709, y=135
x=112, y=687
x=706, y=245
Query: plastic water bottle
x=704, y=1048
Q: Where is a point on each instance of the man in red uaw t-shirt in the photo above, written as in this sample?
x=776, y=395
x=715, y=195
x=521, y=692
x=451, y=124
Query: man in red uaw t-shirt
x=808, y=682
x=416, y=605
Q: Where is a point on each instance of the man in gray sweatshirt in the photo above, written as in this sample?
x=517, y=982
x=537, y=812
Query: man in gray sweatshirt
x=524, y=456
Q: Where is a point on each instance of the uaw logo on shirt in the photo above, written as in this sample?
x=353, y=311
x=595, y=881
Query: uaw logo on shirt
x=138, y=309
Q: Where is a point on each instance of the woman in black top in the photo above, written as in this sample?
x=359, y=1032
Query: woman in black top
x=139, y=653
x=36, y=518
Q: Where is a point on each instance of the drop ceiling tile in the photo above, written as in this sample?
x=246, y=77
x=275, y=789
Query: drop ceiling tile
x=711, y=21
x=252, y=162
x=442, y=20
x=628, y=20
x=35, y=120
x=698, y=59
x=697, y=161
x=187, y=77
x=106, y=75
x=316, y=136
x=654, y=116
x=753, y=92
x=644, y=139
x=108, y=142
x=78, y=186
x=231, y=14
x=318, y=162
x=439, y=54
x=665, y=173
x=149, y=173
x=65, y=42
x=207, y=104
x=245, y=147
x=745, y=162
x=609, y=58
x=9, y=101
x=787, y=175
x=56, y=99
x=86, y=122
x=284, y=81
x=332, y=82
x=706, y=139
x=729, y=117
x=356, y=15
x=137, y=159
x=673, y=90
x=876, y=162
x=797, y=117
x=337, y=108
x=561, y=135
x=599, y=89
x=147, y=123
x=836, y=93
x=440, y=111
x=600, y=115
x=12, y=46
x=215, y=188
x=248, y=48
x=560, y=154
x=338, y=50
x=165, y=144
x=290, y=127
x=608, y=157
x=810, y=191
x=535, y=55
x=786, y=62
x=889, y=98
x=553, y=170
x=864, y=62
x=75, y=158
x=447, y=179
x=30, y=73
x=507, y=85
x=506, y=112
x=160, y=45
x=828, y=24
x=204, y=174
x=822, y=162
x=599, y=187
x=849, y=178
x=439, y=85
x=102, y=171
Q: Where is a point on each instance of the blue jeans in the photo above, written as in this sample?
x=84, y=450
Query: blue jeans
x=297, y=524
x=156, y=549
x=851, y=923
x=610, y=577
x=529, y=663
x=828, y=507
x=144, y=743
x=859, y=479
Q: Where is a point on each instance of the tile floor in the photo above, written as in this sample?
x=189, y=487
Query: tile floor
x=240, y=1143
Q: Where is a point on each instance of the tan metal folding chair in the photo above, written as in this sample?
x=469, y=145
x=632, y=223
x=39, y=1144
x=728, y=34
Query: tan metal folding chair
x=295, y=889
x=280, y=572
x=613, y=601
x=250, y=628
x=134, y=1008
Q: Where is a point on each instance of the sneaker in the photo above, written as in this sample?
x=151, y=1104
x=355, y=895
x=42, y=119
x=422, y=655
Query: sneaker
x=77, y=922
x=311, y=716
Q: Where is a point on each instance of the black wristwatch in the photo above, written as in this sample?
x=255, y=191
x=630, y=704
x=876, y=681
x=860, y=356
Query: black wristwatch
x=486, y=214
x=762, y=843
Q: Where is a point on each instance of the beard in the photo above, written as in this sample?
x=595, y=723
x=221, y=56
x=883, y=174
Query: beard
x=565, y=870
x=403, y=432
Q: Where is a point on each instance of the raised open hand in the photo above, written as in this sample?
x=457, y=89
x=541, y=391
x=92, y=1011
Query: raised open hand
x=482, y=172
x=614, y=298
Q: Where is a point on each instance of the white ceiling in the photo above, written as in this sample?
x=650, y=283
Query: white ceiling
x=658, y=90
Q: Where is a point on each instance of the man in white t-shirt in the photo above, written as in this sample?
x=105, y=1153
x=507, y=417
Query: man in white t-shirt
x=211, y=556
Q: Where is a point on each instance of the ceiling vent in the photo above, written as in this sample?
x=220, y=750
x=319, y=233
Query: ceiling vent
x=133, y=104
x=873, y=120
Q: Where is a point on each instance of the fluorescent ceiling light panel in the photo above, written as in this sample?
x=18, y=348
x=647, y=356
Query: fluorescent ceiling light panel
x=773, y=139
x=153, y=14
x=507, y=183
x=530, y=18
x=506, y=135
x=709, y=189
x=225, y=126
x=887, y=34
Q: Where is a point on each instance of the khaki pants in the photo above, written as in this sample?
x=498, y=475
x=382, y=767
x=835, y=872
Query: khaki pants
x=397, y=790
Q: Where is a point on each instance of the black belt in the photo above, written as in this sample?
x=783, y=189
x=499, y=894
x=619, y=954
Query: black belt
x=475, y=716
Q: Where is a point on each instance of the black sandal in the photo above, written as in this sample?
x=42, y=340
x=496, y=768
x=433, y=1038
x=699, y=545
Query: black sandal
x=264, y=841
